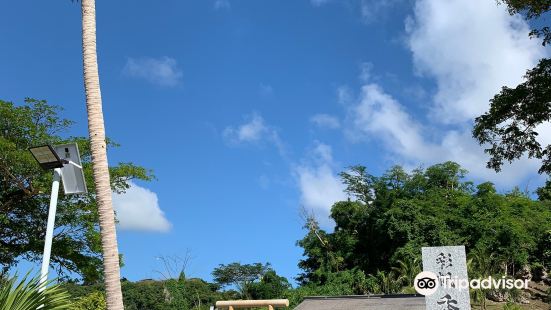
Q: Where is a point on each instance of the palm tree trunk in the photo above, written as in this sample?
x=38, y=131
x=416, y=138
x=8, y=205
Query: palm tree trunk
x=98, y=147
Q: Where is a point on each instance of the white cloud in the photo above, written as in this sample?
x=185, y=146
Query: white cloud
x=377, y=115
x=325, y=121
x=222, y=4
x=162, y=71
x=251, y=131
x=254, y=130
x=471, y=48
x=319, y=186
x=138, y=209
x=459, y=146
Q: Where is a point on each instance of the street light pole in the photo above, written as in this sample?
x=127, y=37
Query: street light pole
x=50, y=228
x=68, y=168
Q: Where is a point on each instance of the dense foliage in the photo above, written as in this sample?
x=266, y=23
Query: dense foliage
x=397, y=213
x=93, y=301
x=252, y=281
x=511, y=125
x=177, y=294
x=25, y=193
x=376, y=244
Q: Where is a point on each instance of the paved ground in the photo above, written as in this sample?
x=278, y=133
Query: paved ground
x=408, y=302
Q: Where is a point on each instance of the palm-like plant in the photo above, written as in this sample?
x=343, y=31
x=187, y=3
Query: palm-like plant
x=98, y=148
x=406, y=270
x=387, y=282
x=29, y=294
x=480, y=265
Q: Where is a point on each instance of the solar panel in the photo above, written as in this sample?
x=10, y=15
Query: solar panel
x=72, y=174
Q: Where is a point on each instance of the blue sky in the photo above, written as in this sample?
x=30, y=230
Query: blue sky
x=247, y=110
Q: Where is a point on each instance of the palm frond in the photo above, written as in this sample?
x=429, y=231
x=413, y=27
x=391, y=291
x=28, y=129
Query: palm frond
x=29, y=294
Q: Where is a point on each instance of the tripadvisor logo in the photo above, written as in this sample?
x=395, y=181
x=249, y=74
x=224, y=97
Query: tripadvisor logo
x=427, y=283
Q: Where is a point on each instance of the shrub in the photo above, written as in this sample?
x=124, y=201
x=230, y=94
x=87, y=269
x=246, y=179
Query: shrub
x=537, y=271
x=93, y=301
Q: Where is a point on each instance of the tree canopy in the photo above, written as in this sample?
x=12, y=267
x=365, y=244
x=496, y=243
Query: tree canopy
x=399, y=212
x=25, y=193
x=251, y=280
x=510, y=127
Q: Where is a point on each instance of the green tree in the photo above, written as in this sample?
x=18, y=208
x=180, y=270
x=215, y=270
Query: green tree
x=427, y=207
x=25, y=192
x=270, y=286
x=200, y=294
x=169, y=294
x=320, y=258
x=510, y=126
x=240, y=275
x=544, y=192
x=358, y=183
x=146, y=294
x=544, y=249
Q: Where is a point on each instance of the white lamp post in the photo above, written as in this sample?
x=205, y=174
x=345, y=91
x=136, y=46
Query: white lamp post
x=67, y=167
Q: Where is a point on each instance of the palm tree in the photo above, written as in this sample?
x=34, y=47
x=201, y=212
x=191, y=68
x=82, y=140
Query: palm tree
x=406, y=270
x=387, y=282
x=98, y=147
